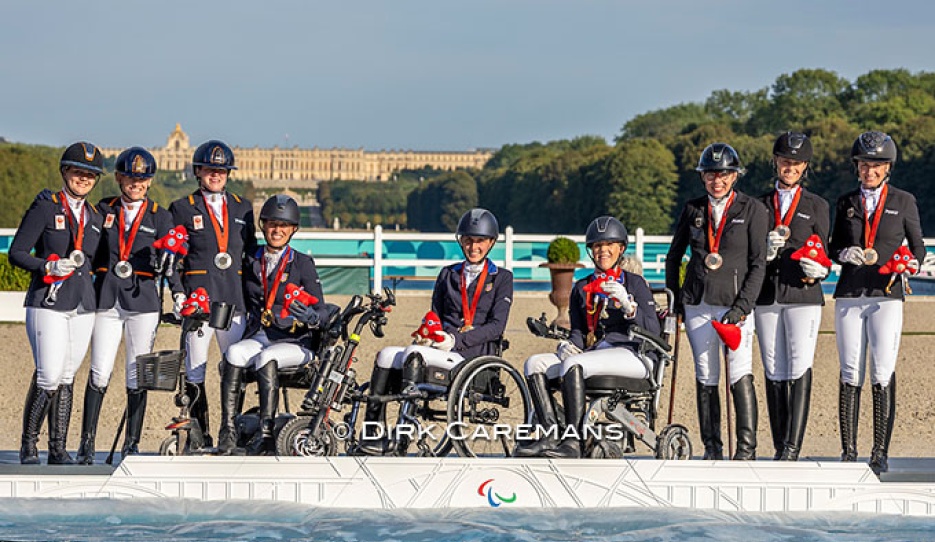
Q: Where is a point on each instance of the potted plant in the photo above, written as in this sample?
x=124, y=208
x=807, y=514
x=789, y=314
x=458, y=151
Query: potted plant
x=13, y=285
x=563, y=255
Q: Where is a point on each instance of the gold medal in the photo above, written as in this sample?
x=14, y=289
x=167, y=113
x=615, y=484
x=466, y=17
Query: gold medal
x=465, y=329
x=590, y=339
x=266, y=319
x=713, y=261
x=870, y=256
x=783, y=231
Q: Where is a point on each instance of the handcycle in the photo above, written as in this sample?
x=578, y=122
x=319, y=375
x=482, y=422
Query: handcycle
x=479, y=393
x=628, y=403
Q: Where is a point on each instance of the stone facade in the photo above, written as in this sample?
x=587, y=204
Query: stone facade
x=300, y=168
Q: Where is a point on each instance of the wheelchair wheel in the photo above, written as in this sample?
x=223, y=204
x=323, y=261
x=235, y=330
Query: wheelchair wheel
x=169, y=446
x=295, y=439
x=605, y=449
x=487, y=401
x=673, y=443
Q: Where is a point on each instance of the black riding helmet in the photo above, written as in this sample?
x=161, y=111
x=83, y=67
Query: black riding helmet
x=136, y=162
x=213, y=154
x=82, y=155
x=794, y=146
x=477, y=223
x=874, y=147
x=282, y=208
x=606, y=229
x=719, y=157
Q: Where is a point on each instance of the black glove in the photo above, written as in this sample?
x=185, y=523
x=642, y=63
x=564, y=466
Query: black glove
x=734, y=316
x=305, y=314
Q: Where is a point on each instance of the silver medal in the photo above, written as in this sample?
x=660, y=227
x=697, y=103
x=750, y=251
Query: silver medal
x=223, y=260
x=870, y=256
x=713, y=261
x=78, y=257
x=783, y=231
x=123, y=269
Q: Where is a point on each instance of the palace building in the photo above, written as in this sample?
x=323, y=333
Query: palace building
x=299, y=168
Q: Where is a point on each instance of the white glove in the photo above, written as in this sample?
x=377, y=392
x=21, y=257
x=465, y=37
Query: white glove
x=60, y=268
x=813, y=269
x=774, y=242
x=912, y=266
x=445, y=344
x=618, y=293
x=853, y=255
x=177, y=299
x=566, y=349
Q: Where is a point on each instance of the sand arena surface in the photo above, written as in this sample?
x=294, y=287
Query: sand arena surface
x=914, y=433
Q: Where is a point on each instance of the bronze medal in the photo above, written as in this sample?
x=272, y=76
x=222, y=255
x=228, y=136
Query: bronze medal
x=223, y=260
x=78, y=257
x=783, y=231
x=870, y=256
x=713, y=261
x=123, y=269
x=266, y=319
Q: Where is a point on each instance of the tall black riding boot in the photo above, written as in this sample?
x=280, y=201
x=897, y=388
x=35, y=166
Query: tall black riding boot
x=35, y=411
x=374, y=440
x=199, y=409
x=746, y=410
x=59, y=418
x=545, y=415
x=93, y=398
x=231, y=384
x=709, y=420
x=136, y=413
x=848, y=414
x=777, y=405
x=573, y=399
x=884, y=414
x=800, y=393
x=264, y=440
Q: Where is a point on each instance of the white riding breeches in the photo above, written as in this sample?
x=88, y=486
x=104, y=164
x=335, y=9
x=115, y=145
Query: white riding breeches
x=393, y=357
x=197, y=343
x=787, y=335
x=604, y=359
x=258, y=350
x=865, y=324
x=707, y=346
x=59, y=341
x=110, y=325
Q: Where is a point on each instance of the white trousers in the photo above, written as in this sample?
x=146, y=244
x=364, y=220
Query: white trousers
x=865, y=324
x=139, y=329
x=707, y=347
x=59, y=341
x=197, y=343
x=604, y=360
x=393, y=357
x=258, y=350
x=787, y=335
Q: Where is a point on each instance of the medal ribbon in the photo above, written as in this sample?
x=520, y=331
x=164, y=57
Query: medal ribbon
x=270, y=294
x=777, y=208
x=714, y=240
x=870, y=230
x=592, y=310
x=470, y=309
x=77, y=234
x=125, y=244
x=219, y=232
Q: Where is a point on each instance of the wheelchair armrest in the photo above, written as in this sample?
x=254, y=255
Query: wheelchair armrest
x=541, y=328
x=654, y=340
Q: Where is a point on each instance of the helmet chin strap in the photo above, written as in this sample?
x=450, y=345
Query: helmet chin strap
x=69, y=191
x=204, y=188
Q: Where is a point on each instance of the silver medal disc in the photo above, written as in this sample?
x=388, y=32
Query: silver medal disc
x=223, y=260
x=870, y=256
x=783, y=231
x=123, y=269
x=78, y=257
x=713, y=261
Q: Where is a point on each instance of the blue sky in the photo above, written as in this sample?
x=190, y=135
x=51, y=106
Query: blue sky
x=421, y=74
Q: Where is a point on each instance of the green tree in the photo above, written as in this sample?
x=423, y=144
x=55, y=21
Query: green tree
x=642, y=180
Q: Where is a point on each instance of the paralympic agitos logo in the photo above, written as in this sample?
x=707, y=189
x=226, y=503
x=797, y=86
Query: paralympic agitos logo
x=495, y=499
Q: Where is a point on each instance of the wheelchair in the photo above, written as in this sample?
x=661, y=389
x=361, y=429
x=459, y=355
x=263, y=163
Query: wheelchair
x=617, y=402
x=472, y=409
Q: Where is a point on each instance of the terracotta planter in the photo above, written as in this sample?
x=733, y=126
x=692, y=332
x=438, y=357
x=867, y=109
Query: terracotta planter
x=563, y=277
